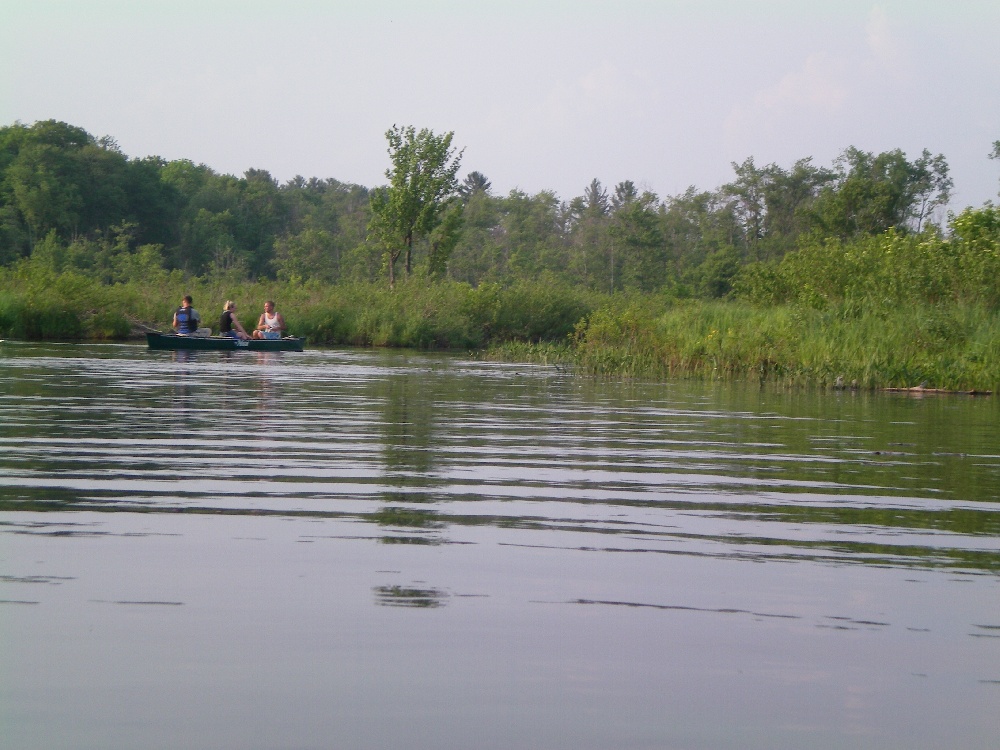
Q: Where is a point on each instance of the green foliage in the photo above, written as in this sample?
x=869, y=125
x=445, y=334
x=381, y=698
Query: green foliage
x=37, y=319
x=887, y=270
x=543, y=353
x=829, y=273
x=637, y=254
x=873, y=193
x=56, y=178
x=773, y=206
x=443, y=314
x=950, y=346
x=976, y=249
x=37, y=302
x=532, y=311
x=104, y=207
x=946, y=345
x=310, y=254
x=475, y=183
x=421, y=193
x=714, y=278
x=763, y=283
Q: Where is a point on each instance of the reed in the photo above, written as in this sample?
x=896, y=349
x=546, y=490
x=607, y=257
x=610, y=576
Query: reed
x=418, y=313
x=542, y=352
x=443, y=314
x=950, y=346
x=860, y=343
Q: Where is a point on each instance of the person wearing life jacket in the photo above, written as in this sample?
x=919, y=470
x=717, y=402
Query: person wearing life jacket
x=271, y=324
x=186, y=318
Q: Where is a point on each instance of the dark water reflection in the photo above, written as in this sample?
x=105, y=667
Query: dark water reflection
x=372, y=549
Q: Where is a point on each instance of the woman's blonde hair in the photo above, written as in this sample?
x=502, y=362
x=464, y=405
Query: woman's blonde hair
x=229, y=303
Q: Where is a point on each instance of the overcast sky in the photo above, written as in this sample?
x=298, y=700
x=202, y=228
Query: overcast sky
x=541, y=95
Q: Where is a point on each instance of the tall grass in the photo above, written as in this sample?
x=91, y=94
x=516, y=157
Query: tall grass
x=65, y=306
x=951, y=346
x=429, y=315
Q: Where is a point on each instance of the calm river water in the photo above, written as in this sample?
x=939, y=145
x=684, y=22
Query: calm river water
x=370, y=549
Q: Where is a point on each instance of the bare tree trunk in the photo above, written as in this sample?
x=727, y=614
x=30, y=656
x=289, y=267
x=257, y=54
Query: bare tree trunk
x=393, y=257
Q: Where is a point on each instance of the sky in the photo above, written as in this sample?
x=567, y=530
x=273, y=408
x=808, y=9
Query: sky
x=542, y=95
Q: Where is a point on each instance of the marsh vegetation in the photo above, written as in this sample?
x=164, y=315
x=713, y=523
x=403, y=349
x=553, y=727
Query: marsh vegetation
x=843, y=275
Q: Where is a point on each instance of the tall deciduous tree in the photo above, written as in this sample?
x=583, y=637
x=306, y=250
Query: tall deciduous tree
x=638, y=251
x=749, y=191
x=45, y=190
x=931, y=187
x=789, y=200
x=421, y=182
x=872, y=193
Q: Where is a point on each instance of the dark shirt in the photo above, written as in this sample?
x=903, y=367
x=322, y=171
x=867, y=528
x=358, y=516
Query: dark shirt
x=226, y=322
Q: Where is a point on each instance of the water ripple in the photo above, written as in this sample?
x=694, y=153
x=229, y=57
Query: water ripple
x=408, y=440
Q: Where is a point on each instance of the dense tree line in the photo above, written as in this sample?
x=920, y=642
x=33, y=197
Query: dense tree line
x=83, y=204
x=73, y=201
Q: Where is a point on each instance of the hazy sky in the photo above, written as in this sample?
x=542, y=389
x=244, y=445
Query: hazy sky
x=541, y=95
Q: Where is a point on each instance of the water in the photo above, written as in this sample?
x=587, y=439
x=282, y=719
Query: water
x=354, y=549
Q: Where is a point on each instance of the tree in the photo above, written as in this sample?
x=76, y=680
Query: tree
x=421, y=181
x=310, y=254
x=590, y=260
x=154, y=204
x=995, y=153
x=788, y=198
x=872, y=193
x=57, y=176
x=698, y=226
x=772, y=205
x=625, y=194
x=262, y=216
x=517, y=236
x=474, y=183
x=444, y=237
x=749, y=191
x=595, y=199
x=931, y=187
x=45, y=190
x=638, y=251
x=102, y=180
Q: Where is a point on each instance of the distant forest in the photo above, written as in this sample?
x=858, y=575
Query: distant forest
x=74, y=202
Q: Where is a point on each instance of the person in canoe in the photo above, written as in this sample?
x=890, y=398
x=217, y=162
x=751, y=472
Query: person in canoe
x=229, y=325
x=271, y=324
x=186, y=318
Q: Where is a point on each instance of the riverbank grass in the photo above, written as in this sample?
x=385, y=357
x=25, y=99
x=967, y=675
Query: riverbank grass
x=953, y=347
x=947, y=345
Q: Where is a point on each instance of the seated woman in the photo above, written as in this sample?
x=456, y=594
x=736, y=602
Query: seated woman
x=229, y=325
x=271, y=324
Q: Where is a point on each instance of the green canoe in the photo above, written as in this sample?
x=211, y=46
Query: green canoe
x=174, y=342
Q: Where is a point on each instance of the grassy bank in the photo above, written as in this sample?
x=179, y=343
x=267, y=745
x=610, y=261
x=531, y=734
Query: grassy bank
x=416, y=314
x=947, y=345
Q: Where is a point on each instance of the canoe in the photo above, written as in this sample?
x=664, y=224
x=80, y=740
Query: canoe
x=174, y=342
